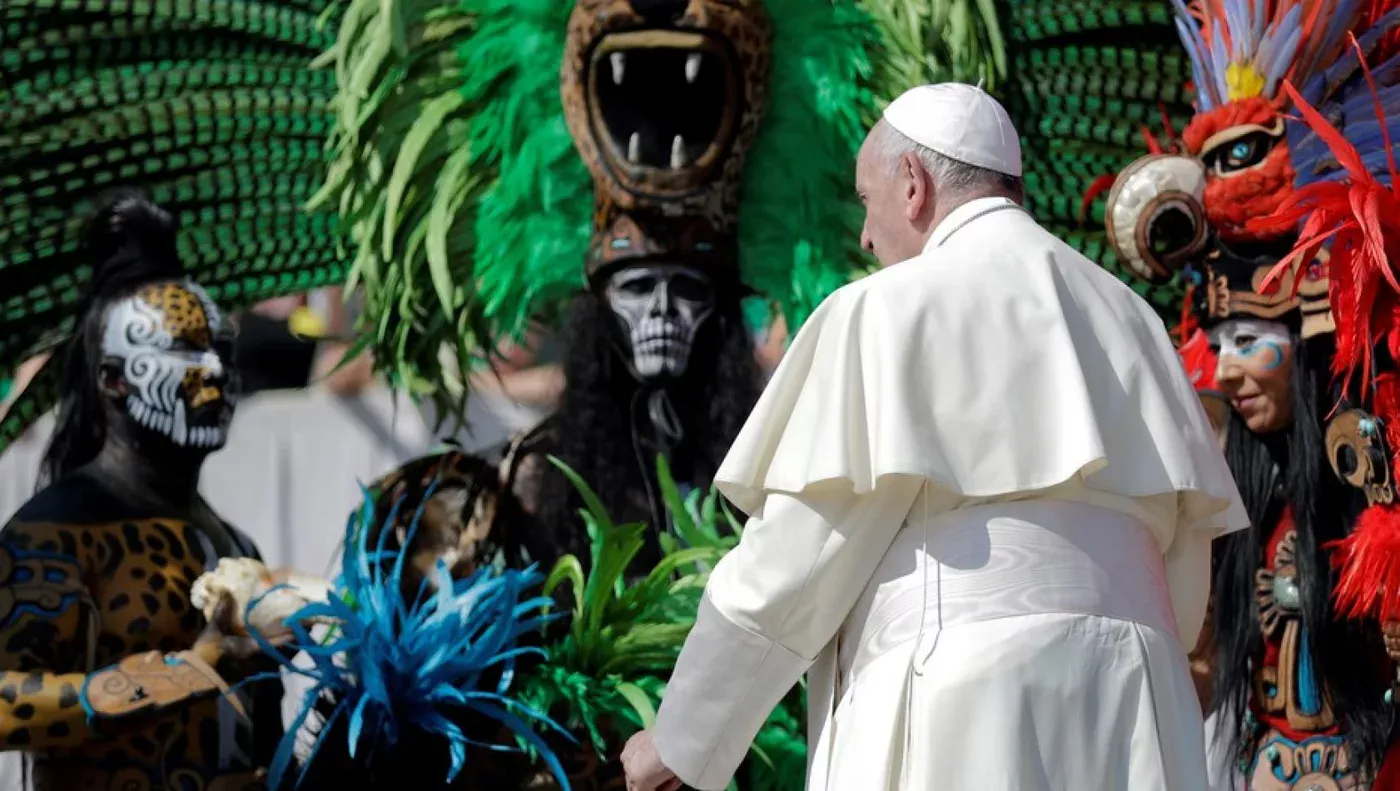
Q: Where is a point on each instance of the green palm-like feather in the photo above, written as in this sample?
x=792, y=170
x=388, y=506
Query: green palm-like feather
x=606, y=677
x=928, y=41
x=623, y=639
x=209, y=105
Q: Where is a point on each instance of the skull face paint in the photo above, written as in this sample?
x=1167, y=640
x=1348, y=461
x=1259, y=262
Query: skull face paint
x=173, y=347
x=661, y=307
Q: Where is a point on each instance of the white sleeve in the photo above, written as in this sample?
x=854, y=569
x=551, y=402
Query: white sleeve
x=772, y=604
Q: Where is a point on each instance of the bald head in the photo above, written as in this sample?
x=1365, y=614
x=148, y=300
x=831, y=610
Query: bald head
x=908, y=188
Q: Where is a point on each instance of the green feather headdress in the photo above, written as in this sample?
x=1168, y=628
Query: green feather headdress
x=208, y=105
x=469, y=211
x=1086, y=80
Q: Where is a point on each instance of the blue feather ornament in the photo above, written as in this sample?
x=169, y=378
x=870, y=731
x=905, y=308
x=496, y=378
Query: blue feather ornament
x=1341, y=94
x=394, y=664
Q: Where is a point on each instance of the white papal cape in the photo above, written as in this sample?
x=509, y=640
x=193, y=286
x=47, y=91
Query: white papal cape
x=981, y=494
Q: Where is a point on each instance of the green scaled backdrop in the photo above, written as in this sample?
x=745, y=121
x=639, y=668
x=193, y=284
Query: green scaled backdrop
x=1085, y=78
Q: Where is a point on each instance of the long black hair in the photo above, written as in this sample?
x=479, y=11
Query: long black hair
x=130, y=243
x=592, y=430
x=1289, y=469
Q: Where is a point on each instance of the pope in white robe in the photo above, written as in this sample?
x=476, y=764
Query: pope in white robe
x=981, y=492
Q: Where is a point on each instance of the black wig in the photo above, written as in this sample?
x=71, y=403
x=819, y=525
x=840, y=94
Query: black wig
x=593, y=429
x=130, y=243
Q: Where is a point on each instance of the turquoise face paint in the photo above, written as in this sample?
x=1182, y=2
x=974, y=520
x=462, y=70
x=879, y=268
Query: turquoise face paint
x=1262, y=345
x=1268, y=353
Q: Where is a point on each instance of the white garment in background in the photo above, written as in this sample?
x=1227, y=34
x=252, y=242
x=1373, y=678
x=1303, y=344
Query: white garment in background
x=291, y=472
x=1026, y=415
x=12, y=772
x=1223, y=766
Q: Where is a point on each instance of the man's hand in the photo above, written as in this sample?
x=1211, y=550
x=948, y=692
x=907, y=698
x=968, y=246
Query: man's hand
x=643, y=766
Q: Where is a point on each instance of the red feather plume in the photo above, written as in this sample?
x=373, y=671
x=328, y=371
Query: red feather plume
x=1359, y=221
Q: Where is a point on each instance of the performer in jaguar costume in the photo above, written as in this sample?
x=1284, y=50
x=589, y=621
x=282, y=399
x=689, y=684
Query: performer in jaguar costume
x=1299, y=691
x=109, y=676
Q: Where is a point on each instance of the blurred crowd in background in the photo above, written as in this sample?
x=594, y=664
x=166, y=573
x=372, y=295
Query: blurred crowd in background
x=312, y=425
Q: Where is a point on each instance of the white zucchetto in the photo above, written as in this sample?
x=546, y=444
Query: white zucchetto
x=961, y=122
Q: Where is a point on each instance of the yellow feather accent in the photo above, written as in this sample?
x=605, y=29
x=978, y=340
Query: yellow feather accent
x=1243, y=81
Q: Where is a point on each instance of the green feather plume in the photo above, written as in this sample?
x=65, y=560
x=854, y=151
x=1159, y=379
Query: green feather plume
x=208, y=105
x=930, y=41
x=468, y=211
x=619, y=633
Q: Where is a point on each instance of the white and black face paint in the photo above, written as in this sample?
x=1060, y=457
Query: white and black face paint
x=662, y=307
x=169, y=340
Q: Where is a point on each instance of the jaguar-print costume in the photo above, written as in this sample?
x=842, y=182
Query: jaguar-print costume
x=90, y=585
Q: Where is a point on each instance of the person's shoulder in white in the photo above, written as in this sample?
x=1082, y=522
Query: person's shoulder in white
x=1007, y=261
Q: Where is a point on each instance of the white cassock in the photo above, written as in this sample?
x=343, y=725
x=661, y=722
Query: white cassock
x=982, y=494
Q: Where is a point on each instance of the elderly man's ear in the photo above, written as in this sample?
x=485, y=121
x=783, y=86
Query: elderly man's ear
x=918, y=191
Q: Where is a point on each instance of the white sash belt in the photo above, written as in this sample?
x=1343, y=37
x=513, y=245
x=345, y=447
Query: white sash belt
x=1005, y=560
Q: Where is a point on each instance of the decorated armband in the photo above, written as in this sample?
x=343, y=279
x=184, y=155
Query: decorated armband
x=145, y=684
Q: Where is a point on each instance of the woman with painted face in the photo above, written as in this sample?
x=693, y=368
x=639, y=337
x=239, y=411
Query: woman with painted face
x=108, y=675
x=1298, y=693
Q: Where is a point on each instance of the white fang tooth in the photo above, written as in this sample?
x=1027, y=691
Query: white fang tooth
x=692, y=67
x=619, y=66
x=634, y=148
x=677, y=152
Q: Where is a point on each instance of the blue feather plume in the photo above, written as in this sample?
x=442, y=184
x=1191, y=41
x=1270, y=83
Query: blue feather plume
x=392, y=664
x=1340, y=93
x=1271, y=39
